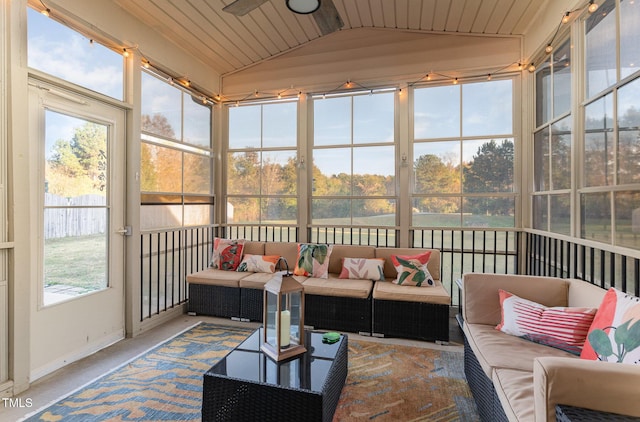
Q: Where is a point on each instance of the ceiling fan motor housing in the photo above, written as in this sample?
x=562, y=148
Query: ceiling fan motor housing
x=303, y=7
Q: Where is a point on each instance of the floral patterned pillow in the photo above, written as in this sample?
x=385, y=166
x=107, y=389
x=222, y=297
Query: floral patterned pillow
x=614, y=335
x=313, y=260
x=362, y=268
x=259, y=263
x=227, y=254
x=412, y=270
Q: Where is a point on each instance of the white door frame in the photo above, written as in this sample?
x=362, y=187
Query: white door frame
x=70, y=330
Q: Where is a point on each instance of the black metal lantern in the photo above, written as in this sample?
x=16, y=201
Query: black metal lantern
x=283, y=332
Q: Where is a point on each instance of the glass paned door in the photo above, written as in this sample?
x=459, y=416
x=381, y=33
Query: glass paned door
x=76, y=213
x=78, y=175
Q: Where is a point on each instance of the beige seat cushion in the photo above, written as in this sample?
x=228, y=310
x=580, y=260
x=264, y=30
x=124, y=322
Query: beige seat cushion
x=216, y=277
x=258, y=280
x=495, y=349
x=386, y=290
x=515, y=390
x=334, y=286
x=255, y=280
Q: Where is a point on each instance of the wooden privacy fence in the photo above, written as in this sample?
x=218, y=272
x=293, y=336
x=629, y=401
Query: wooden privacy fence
x=78, y=216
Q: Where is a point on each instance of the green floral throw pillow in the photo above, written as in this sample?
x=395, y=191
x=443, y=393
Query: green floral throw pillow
x=412, y=270
x=614, y=335
x=313, y=260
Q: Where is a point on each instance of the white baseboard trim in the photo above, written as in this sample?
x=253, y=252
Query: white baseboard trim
x=160, y=319
x=6, y=389
x=83, y=352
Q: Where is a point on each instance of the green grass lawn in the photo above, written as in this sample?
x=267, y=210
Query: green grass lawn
x=79, y=261
x=419, y=220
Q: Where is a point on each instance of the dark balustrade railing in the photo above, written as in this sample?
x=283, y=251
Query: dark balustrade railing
x=259, y=233
x=365, y=236
x=470, y=250
x=553, y=257
x=168, y=256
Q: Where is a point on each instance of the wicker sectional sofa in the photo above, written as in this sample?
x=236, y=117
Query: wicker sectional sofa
x=378, y=308
x=513, y=379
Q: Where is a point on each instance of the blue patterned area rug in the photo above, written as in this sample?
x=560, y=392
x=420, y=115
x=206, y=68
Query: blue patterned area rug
x=385, y=383
x=162, y=384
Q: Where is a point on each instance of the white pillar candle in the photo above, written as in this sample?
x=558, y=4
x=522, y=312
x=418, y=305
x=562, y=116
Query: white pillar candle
x=285, y=328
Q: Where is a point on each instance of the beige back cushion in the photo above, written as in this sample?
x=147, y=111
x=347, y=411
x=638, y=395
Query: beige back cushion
x=481, y=301
x=253, y=248
x=287, y=250
x=348, y=251
x=390, y=271
x=584, y=294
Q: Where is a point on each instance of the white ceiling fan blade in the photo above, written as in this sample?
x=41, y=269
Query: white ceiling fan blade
x=242, y=7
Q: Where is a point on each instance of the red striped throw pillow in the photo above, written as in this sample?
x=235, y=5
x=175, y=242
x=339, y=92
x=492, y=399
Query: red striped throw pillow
x=560, y=327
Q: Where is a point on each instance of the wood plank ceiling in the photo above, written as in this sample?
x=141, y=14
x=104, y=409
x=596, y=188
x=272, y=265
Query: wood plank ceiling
x=228, y=43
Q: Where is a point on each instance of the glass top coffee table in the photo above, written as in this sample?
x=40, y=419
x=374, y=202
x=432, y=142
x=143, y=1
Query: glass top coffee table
x=247, y=385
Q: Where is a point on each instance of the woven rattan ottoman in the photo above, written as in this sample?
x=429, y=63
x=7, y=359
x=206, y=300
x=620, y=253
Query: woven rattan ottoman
x=247, y=385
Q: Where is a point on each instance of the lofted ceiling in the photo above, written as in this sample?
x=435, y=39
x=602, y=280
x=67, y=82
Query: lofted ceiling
x=229, y=43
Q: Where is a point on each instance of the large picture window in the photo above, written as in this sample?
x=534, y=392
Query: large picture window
x=463, y=155
x=553, y=143
x=354, y=158
x=176, y=157
x=262, y=164
x=609, y=192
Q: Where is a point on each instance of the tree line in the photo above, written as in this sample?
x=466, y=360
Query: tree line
x=261, y=188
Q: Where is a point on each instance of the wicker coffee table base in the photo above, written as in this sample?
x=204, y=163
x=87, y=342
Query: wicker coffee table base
x=234, y=400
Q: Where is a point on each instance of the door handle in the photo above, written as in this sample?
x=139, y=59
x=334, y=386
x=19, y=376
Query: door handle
x=125, y=231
